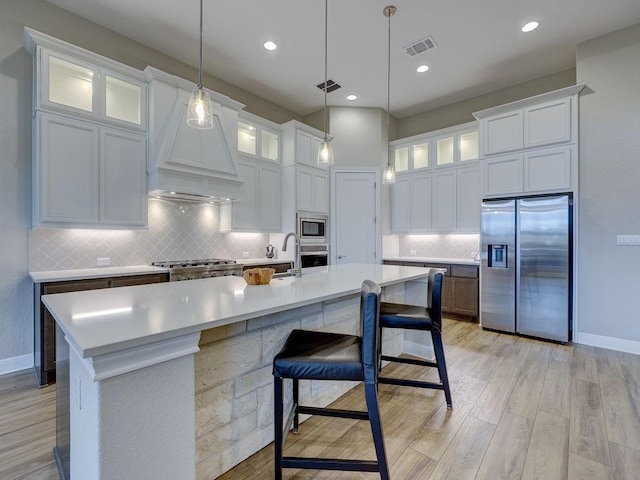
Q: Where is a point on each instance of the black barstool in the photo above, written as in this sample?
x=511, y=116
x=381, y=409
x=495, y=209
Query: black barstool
x=331, y=356
x=409, y=317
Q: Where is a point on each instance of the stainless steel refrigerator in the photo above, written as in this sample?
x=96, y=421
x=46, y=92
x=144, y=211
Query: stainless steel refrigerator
x=526, y=266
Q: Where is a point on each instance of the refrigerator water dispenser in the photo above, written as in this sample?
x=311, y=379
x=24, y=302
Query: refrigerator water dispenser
x=497, y=256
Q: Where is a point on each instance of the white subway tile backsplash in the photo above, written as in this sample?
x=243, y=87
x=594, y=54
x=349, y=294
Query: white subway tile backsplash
x=177, y=231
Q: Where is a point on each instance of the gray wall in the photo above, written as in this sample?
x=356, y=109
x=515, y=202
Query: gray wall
x=16, y=309
x=609, y=285
x=461, y=112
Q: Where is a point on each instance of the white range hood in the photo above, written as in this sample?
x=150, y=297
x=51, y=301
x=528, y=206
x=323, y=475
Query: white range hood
x=185, y=162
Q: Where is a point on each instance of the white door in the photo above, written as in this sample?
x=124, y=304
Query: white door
x=355, y=213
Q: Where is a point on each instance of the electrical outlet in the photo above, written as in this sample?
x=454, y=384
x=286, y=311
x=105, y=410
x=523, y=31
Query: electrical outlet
x=412, y=253
x=104, y=262
x=245, y=254
x=628, y=240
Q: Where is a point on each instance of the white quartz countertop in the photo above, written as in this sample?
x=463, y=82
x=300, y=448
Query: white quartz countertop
x=458, y=261
x=80, y=274
x=97, y=322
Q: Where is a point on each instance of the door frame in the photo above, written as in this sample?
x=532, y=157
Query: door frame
x=332, y=219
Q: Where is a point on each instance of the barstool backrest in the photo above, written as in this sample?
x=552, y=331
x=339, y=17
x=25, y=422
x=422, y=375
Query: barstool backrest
x=434, y=298
x=369, y=328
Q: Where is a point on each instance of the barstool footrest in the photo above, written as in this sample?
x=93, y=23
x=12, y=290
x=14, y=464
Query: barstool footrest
x=410, y=383
x=333, y=412
x=330, y=464
x=410, y=361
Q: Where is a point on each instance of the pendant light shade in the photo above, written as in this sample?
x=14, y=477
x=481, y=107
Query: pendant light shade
x=325, y=153
x=389, y=175
x=200, y=111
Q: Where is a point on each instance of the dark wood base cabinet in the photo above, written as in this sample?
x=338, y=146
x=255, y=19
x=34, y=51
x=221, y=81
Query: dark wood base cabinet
x=460, y=288
x=44, y=347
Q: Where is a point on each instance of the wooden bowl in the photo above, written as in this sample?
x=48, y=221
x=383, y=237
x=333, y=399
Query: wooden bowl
x=258, y=276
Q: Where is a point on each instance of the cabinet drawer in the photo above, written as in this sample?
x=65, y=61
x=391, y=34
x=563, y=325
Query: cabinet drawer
x=466, y=271
x=140, y=280
x=444, y=266
x=393, y=262
x=281, y=267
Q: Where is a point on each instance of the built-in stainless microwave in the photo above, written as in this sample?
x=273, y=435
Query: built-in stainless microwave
x=312, y=229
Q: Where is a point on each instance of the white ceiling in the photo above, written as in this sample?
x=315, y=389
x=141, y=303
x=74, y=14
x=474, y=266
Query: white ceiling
x=480, y=45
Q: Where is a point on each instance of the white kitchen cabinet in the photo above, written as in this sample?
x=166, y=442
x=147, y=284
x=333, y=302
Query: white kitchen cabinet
x=401, y=205
x=123, y=178
x=65, y=171
x=540, y=135
x=258, y=138
x=502, y=133
x=548, y=170
x=421, y=202
x=260, y=209
x=443, y=148
x=88, y=86
x=312, y=190
x=468, y=200
x=533, y=126
x=86, y=175
x=411, y=204
x=548, y=123
x=445, y=200
x=301, y=144
x=503, y=175
x=90, y=146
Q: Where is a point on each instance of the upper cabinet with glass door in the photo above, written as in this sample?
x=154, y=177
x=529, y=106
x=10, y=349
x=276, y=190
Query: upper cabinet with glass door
x=73, y=81
x=442, y=148
x=258, y=138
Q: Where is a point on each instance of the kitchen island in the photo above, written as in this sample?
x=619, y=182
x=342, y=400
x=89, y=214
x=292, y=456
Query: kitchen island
x=173, y=380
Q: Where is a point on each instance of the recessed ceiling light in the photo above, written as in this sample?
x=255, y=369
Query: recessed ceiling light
x=351, y=97
x=530, y=27
x=269, y=45
x=172, y=193
x=422, y=68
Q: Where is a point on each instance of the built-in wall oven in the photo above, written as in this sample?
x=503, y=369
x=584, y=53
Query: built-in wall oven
x=312, y=229
x=314, y=255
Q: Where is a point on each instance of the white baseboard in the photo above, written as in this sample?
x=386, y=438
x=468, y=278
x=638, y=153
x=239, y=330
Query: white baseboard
x=418, y=350
x=15, y=364
x=611, y=343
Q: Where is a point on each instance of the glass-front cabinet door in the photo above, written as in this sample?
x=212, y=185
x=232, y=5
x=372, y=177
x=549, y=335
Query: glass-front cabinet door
x=76, y=87
x=68, y=83
x=257, y=140
x=123, y=99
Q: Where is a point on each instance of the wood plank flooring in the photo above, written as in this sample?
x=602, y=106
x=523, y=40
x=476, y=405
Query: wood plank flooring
x=523, y=409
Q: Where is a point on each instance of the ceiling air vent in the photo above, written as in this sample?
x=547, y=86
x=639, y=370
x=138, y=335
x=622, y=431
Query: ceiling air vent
x=331, y=86
x=421, y=46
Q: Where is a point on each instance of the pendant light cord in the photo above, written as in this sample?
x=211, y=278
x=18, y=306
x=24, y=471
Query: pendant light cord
x=326, y=22
x=200, y=69
x=388, y=89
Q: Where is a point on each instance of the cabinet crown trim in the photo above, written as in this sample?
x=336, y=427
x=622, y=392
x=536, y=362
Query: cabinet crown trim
x=526, y=102
x=33, y=39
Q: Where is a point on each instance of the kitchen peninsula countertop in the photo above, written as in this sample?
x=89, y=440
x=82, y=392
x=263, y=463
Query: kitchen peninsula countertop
x=101, y=272
x=458, y=261
x=98, y=322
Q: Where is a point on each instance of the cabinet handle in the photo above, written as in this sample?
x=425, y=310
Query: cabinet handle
x=341, y=256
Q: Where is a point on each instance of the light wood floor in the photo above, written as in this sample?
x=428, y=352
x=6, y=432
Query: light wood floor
x=523, y=409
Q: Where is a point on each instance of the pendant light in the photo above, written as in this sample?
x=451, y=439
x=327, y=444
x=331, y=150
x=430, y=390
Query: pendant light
x=325, y=153
x=389, y=175
x=200, y=111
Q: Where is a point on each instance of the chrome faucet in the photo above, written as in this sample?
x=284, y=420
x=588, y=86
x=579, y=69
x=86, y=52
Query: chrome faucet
x=297, y=265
